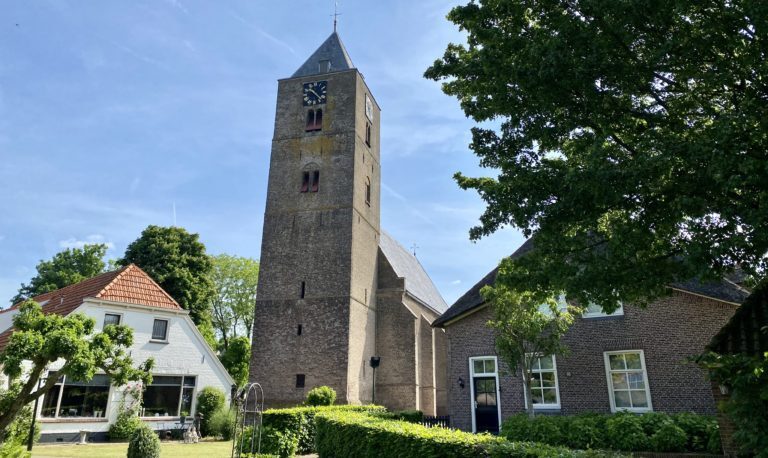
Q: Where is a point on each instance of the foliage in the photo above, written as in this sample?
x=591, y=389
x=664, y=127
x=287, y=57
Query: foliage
x=236, y=358
x=222, y=423
x=17, y=434
x=321, y=396
x=68, y=267
x=126, y=423
x=300, y=421
x=411, y=416
x=669, y=438
x=271, y=441
x=235, y=279
x=625, y=432
x=209, y=400
x=746, y=378
x=14, y=449
x=177, y=261
x=528, y=325
x=622, y=431
x=40, y=340
x=358, y=434
x=144, y=443
x=630, y=137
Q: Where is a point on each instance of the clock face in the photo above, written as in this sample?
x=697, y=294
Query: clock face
x=315, y=93
x=368, y=108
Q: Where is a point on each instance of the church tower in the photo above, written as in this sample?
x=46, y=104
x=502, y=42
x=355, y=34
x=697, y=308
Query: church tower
x=315, y=319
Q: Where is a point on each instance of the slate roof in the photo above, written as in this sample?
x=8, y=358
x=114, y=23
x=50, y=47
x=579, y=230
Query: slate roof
x=129, y=285
x=406, y=265
x=331, y=50
x=724, y=290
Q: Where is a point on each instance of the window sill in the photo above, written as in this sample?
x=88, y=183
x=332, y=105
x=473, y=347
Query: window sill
x=552, y=407
x=602, y=317
x=158, y=341
x=74, y=420
x=163, y=418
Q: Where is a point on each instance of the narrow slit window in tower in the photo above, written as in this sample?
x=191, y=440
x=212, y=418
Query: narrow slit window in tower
x=303, y=290
x=368, y=191
x=298, y=330
x=368, y=134
x=314, y=120
x=305, y=182
x=299, y=380
x=315, y=181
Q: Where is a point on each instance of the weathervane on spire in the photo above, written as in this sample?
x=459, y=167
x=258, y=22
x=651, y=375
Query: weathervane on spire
x=335, y=14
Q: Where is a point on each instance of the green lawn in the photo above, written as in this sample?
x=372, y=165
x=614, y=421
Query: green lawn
x=170, y=450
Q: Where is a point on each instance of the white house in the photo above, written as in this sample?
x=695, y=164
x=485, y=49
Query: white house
x=184, y=362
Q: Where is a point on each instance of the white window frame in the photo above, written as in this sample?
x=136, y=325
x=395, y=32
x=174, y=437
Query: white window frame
x=557, y=388
x=112, y=313
x=60, y=387
x=608, y=372
x=618, y=312
x=192, y=407
x=167, y=330
x=472, y=376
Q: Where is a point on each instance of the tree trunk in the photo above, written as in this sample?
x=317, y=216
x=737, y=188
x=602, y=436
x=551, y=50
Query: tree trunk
x=24, y=397
x=527, y=386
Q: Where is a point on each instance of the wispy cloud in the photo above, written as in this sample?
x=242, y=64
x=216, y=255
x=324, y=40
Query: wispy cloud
x=179, y=5
x=263, y=33
x=141, y=57
x=73, y=242
x=456, y=282
x=392, y=192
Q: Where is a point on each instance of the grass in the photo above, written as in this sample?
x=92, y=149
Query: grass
x=169, y=450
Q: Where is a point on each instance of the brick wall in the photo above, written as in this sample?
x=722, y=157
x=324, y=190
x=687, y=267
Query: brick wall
x=668, y=331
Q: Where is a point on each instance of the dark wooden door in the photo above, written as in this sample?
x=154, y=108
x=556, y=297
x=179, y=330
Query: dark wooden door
x=486, y=405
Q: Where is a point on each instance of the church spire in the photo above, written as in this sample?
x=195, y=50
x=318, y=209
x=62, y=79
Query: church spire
x=331, y=56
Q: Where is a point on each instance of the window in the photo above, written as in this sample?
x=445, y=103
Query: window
x=160, y=330
x=562, y=306
x=298, y=331
x=168, y=396
x=368, y=134
x=627, y=381
x=111, y=318
x=314, y=120
x=300, y=380
x=303, y=290
x=310, y=181
x=595, y=311
x=368, y=191
x=70, y=398
x=544, y=387
x=324, y=66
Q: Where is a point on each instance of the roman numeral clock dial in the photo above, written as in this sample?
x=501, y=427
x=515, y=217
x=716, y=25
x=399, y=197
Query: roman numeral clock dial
x=315, y=93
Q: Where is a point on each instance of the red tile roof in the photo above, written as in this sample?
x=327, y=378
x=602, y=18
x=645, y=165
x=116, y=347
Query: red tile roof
x=129, y=285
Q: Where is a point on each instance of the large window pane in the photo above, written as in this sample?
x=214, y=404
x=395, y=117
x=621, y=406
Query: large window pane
x=160, y=401
x=160, y=330
x=543, y=380
x=617, y=362
x=77, y=399
x=628, y=387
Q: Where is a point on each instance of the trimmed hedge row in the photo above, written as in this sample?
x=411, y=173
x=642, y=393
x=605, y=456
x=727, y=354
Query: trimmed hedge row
x=299, y=421
x=651, y=432
x=356, y=434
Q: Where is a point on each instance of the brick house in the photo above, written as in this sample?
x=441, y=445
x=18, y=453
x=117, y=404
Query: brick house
x=184, y=363
x=634, y=359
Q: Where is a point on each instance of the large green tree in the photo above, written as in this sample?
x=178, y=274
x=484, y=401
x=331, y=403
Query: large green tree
x=236, y=358
x=68, y=267
x=235, y=279
x=40, y=340
x=177, y=261
x=630, y=136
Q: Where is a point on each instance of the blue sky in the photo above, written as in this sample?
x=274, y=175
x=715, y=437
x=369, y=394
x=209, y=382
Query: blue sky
x=111, y=112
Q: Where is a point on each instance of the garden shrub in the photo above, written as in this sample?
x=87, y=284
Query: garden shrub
x=411, y=416
x=144, y=443
x=321, y=396
x=124, y=426
x=209, y=401
x=669, y=438
x=271, y=442
x=14, y=449
x=625, y=432
x=542, y=428
x=222, y=423
x=300, y=421
x=583, y=431
x=18, y=430
x=699, y=430
x=653, y=421
x=357, y=434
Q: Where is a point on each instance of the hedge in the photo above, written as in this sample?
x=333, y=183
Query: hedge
x=650, y=432
x=357, y=434
x=299, y=421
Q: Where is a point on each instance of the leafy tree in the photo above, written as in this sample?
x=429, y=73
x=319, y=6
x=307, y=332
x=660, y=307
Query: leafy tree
x=235, y=279
x=68, y=267
x=528, y=326
x=40, y=340
x=630, y=136
x=236, y=358
x=177, y=261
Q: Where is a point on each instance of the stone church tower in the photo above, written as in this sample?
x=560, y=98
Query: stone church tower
x=329, y=298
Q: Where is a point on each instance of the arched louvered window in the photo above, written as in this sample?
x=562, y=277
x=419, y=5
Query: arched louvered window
x=314, y=120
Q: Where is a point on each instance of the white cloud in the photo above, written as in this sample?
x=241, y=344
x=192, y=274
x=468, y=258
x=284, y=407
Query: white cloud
x=456, y=282
x=73, y=242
